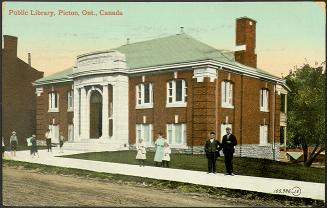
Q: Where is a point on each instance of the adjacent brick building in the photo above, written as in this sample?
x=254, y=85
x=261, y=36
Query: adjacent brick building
x=18, y=93
x=175, y=85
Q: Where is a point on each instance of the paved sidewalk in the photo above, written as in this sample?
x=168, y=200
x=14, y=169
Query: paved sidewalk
x=258, y=184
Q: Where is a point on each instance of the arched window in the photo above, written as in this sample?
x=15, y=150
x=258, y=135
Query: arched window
x=70, y=100
x=227, y=94
x=144, y=95
x=176, y=92
x=264, y=98
x=53, y=102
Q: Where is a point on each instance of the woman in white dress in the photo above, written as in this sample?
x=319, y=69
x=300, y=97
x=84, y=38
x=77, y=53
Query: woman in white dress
x=141, y=152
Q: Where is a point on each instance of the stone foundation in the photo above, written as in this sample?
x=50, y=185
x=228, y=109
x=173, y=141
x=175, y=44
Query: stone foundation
x=246, y=150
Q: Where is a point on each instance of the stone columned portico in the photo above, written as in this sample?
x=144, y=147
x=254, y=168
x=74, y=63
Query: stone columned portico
x=101, y=98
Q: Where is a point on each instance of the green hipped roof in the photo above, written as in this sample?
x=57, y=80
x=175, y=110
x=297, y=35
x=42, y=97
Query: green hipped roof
x=167, y=50
x=57, y=76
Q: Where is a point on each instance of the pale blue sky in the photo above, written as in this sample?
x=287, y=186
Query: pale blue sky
x=287, y=33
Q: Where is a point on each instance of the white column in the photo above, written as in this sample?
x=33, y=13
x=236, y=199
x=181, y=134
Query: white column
x=105, y=113
x=88, y=95
x=76, y=114
x=120, y=110
x=83, y=113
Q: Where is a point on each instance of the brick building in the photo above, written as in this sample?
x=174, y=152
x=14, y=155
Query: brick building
x=175, y=85
x=18, y=93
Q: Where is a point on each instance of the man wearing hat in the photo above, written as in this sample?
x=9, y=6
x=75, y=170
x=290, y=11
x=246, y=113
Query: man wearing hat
x=13, y=143
x=228, y=143
x=212, y=148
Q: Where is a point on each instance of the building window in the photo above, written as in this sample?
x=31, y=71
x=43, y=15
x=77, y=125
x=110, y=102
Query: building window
x=70, y=100
x=144, y=95
x=176, y=134
x=263, y=134
x=227, y=94
x=264, y=95
x=283, y=103
x=223, y=129
x=54, y=132
x=176, y=93
x=282, y=135
x=53, y=102
x=144, y=131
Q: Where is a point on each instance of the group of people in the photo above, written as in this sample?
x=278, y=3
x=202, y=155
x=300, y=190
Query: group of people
x=213, y=147
x=162, y=154
x=212, y=150
x=32, y=142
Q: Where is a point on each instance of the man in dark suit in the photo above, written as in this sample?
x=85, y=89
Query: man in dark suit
x=228, y=143
x=212, y=148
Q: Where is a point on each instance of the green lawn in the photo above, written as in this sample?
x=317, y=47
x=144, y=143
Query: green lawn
x=242, y=166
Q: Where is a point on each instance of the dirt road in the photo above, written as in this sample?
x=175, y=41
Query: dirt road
x=29, y=188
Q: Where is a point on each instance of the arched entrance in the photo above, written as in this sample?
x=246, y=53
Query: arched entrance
x=95, y=115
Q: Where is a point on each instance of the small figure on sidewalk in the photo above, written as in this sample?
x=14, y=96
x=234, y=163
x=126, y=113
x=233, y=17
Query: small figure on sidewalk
x=13, y=143
x=141, y=152
x=159, y=150
x=228, y=143
x=3, y=147
x=166, y=157
x=34, y=146
x=48, y=139
x=212, y=148
x=61, y=142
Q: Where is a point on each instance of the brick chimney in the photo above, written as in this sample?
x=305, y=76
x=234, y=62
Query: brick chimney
x=245, y=42
x=10, y=45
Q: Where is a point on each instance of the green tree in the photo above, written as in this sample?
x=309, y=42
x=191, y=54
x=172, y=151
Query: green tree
x=306, y=110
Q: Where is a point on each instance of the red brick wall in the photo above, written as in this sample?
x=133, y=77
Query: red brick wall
x=18, y=93
x=45, y=118
x=200, y=112
x=159, y=115
x=246, y=127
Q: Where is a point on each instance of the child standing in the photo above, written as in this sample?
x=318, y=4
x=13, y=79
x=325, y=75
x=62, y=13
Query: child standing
x=61, y=142
x=13, y=143
x=166, y=157
x=141, y=152
x=48, y=139
x=3, y=147
x=34, y=146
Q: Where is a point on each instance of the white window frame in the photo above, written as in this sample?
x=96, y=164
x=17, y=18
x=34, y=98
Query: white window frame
x=52, y=106
x=70, y=100
x=141, y=127
x=70, y=133
x=263, y=135
x=140, y=96
x=223, y=129
x=172, y=141
x=227, y=94
x=264, y=100
x=54, y=132
x=171, y=94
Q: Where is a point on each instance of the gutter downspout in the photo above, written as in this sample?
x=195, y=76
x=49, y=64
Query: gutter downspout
x=216, y=104
x=273, y=123
x=242, y=92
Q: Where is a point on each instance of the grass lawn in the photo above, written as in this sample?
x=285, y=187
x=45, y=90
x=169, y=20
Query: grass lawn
x=242, y=166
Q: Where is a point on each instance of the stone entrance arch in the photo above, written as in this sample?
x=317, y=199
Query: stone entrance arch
x=95, y=115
